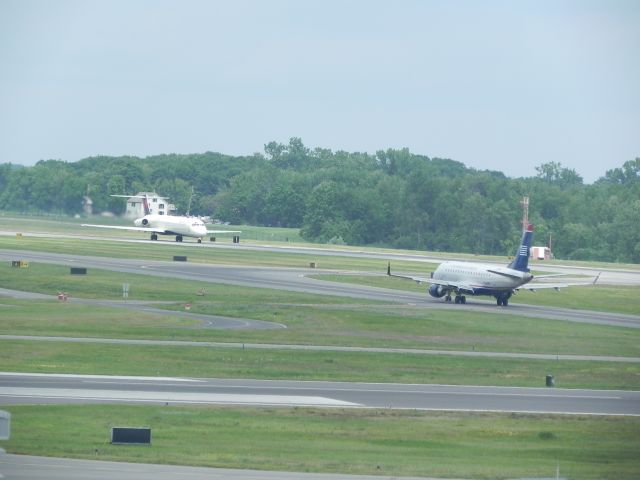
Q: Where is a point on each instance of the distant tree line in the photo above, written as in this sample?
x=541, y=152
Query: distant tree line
x=393, y=198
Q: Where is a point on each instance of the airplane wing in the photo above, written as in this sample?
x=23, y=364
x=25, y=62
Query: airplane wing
x=419, y=280
x=532, y=286
x=457, y=286
x=133, y=229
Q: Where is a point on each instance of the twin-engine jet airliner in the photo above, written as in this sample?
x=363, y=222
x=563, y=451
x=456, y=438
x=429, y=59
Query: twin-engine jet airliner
x=166, y=224
x=470, y=278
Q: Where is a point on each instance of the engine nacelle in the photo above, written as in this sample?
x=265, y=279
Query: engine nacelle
x=145, y=222
x=437, y=291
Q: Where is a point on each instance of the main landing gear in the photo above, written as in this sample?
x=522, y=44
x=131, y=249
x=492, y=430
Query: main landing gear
x=178, y=238
x=457, y=299
x=154, y=237
x=503, y=300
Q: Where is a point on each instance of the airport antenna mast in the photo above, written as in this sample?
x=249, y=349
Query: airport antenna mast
x=525, y=212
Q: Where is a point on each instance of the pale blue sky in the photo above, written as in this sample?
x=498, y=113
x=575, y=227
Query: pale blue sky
x=501, y=85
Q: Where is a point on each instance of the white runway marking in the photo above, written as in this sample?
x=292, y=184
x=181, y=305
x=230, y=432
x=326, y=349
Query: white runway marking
x=98, y=377
x=177, y=397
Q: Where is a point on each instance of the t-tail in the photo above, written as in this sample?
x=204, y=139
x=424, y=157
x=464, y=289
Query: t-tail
x=145, y=201
x=521, y=260
x=145, y=204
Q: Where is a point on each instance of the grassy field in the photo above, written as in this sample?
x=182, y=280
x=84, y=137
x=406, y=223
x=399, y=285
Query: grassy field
x=281, y=364
x=164, y=251
x=311, y=319
x=378, y=442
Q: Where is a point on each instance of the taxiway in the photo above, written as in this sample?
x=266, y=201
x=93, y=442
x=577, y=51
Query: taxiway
x=18, y=388
x=297, y=280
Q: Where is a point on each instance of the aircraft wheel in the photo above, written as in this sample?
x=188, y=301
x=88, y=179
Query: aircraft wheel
x=178, y=238
x=154, y=237
x=457, y=300
x=505, y=302
x=447, y=298
x=199, y=240
x=463, y=299
x=499, y=301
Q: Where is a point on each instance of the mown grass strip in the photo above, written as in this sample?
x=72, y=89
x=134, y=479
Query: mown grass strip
x=321, y=324
x=380, y=442
x=226, y=255
x=209, y=362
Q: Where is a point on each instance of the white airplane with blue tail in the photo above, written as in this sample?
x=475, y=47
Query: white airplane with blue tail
x=471, y=278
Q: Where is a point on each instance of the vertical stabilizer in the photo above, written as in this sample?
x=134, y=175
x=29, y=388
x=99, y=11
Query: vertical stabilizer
x=521, y=260
x=145, y=205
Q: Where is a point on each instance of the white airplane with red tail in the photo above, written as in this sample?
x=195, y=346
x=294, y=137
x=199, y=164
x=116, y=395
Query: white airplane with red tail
x=177, y=225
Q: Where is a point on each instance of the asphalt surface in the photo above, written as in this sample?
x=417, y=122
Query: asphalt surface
x=19, y=388
x=297, y=280
x=23, y=467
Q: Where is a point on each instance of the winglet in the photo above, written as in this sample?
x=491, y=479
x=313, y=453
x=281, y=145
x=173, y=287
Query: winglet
x=597, y=277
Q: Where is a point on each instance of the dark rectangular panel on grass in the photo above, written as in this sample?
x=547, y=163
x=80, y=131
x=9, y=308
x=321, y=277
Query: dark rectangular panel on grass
x=130, y=436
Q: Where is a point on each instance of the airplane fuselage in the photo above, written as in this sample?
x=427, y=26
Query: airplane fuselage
x=477, y=278
x=174, y=225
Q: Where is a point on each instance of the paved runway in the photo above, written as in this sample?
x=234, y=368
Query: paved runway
x=295, y=279
x=26, y=467
x=17, y=388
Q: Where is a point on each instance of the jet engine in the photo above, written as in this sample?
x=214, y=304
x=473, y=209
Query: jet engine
x=437, y=291
x=145, y=222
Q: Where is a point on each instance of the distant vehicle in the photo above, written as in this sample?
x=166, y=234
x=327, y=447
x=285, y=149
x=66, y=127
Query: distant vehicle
x=177, y=225
x=471, y=278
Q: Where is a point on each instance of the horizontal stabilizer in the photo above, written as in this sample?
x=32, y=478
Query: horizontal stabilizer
x=131, y=229
x=505, y=274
